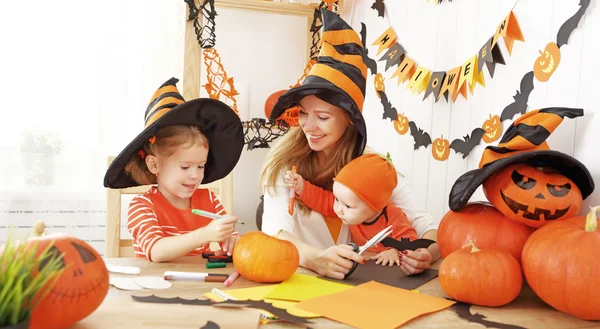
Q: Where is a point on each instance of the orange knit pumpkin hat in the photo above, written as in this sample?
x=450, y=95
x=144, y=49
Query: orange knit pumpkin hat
x=371, y=177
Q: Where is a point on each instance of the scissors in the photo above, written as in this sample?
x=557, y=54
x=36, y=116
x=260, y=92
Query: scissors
x=373, y=241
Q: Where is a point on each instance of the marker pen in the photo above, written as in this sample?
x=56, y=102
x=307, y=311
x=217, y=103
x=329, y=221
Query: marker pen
x=195, y=276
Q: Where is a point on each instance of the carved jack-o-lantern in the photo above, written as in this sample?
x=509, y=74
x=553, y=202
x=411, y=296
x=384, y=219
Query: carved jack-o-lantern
x=291, y=116
x=401, y=124
x=547, y=62
x=440, y=149
x=493, y=129
x=533, y=195
x=271, y=100
x=379, y=85
x=81, y=288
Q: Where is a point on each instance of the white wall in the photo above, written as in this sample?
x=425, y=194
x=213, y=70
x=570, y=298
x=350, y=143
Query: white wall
x=441, y=37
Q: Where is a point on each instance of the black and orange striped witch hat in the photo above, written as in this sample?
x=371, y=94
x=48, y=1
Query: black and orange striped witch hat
x=338, y=77
x=525, y=142
x=217, y=121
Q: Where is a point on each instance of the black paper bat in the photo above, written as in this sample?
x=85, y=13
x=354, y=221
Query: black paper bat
x=468, y=143
x=521, y=98
x=210, y=325
x=371, y=63
x=380, y=7
x=464, y=312
x=406, y=244
x=565, y=31
x=389, y=112
x=256, y=304
x=421, y=138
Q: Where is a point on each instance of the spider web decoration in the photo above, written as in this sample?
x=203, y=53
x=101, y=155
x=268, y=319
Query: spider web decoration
x=204, y=33
x=258, y=133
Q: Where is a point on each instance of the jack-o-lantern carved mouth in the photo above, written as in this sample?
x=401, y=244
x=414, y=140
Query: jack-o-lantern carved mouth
x=440, y=154
x=537, y=212
x=550, y=67
x=492, y=133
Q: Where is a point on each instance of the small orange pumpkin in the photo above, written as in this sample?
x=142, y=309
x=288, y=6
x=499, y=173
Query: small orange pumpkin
x=486, y=277
x=440, y=149
x=493, y=129
x=290, y=116
x=547, y=62
x=379, y=85
x=560, y=263
x=401, y=124
x=262, y=258
x=533, y=195
x=80, y=289
x=271, y=100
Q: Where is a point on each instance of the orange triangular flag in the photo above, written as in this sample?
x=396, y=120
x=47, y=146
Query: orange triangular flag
x=385, y=40
x=513, y=32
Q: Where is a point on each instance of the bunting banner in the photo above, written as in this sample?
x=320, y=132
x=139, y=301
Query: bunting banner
x=455, y=81
x=437, y=2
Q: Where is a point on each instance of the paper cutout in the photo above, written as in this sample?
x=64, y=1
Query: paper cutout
x=401, y=124
x=393, y=56
x=375, y=306
x=258, y=133
x=519, y=106
x=450, y=84
x=406, y=244
x=152, y=282
x=371, y=63
x=565, y=31
x=498, y=59
x=421, y=138
x=435, y=85
x=493, y=129
x=205, y=33
x=547, y=62
x=466, y=75
x=418, y=83
x=464, y=312
x=467, y=143
x=477, y=77
x=124, y=283
x=513, y=32
x=300, y=287
x=406, y=70
x=389, y=112
x=437, y=2
x=210, y=325
x=379, y=7
x=260, y=305
x=440, y=150
x=385, y=40
x=219, y=85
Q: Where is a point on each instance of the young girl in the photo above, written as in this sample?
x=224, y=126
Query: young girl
x=173, y=152
x=360, y=198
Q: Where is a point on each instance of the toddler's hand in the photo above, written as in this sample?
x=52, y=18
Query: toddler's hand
x=220, y=229
x=387, y=257
x=294, y=180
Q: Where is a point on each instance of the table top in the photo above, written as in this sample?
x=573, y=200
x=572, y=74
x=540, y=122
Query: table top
x=119, y=310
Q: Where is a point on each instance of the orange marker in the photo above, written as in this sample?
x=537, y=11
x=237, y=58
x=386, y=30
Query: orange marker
x=292, y=195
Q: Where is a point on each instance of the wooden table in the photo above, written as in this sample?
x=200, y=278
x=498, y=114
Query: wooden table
x=119, y=311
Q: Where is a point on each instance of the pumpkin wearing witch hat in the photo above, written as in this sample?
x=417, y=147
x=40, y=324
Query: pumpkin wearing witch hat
x=523, y=178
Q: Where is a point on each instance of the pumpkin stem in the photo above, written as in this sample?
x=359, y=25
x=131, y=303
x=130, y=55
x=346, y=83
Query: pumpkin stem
x=277, y=234
x=39, y=228
x=472, y=245
x=591, y=221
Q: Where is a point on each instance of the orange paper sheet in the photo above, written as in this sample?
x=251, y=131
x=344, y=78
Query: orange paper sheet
x=373, y=305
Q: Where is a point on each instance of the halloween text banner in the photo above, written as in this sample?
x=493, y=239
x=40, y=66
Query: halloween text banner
x=455, y=81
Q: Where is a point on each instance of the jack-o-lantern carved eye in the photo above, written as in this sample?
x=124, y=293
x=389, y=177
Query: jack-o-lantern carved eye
x=53, y=253
x=521, y=181
x=559, y=190
x=86, y=255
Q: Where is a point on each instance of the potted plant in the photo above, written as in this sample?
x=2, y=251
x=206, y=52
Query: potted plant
x=26, y=277
x=39, y=149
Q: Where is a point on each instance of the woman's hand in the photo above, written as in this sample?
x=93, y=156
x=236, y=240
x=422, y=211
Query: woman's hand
x=227, y=246
x=334, y=262
x=294, y=180
x=417, y=261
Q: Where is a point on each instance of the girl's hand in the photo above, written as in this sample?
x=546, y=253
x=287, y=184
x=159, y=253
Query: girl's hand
x=294, y=180
x=387, y=257
x=220, y=229
x=334, y=262
x=228, y=244
x=417, y=261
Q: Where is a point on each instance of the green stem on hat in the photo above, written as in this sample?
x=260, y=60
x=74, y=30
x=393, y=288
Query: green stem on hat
x=591, y=221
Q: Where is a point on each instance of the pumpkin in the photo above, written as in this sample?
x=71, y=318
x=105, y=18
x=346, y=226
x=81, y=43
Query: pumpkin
x=547, y=62
x=271, y=100
x=493, y=129
x=533, y=195
x=379, y=85
x=401, y=124
x=440, y=149
x=486, y=277
x=290, y=116
x=262, y=258
x=81, y=288
x=560, y=263
x=483, y=224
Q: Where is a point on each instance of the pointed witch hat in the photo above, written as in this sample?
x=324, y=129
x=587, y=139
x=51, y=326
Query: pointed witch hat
x=338, y=77
x=217, y=121
x=525, y=142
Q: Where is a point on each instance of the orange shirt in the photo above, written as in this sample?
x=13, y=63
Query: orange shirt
x=151, y=217
x=322, y=200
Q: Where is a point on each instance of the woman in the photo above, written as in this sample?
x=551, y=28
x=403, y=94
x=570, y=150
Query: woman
x=332, y=132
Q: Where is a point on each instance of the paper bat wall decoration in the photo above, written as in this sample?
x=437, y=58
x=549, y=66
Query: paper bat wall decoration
x=463, y=310
x=389, y=112
x=468, y=143
x=256, y=304
x=570, y=24
x=380, y=7
x=406, y=244
x=521, y=98
x=371, y=63
x=421, y=138
x=210, y=325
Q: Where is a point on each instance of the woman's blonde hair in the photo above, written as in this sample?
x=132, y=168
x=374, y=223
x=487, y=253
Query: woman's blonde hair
x=293, y=149
x=165, y=143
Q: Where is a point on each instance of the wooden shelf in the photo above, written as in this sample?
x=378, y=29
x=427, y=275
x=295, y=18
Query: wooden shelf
x=269, y=6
